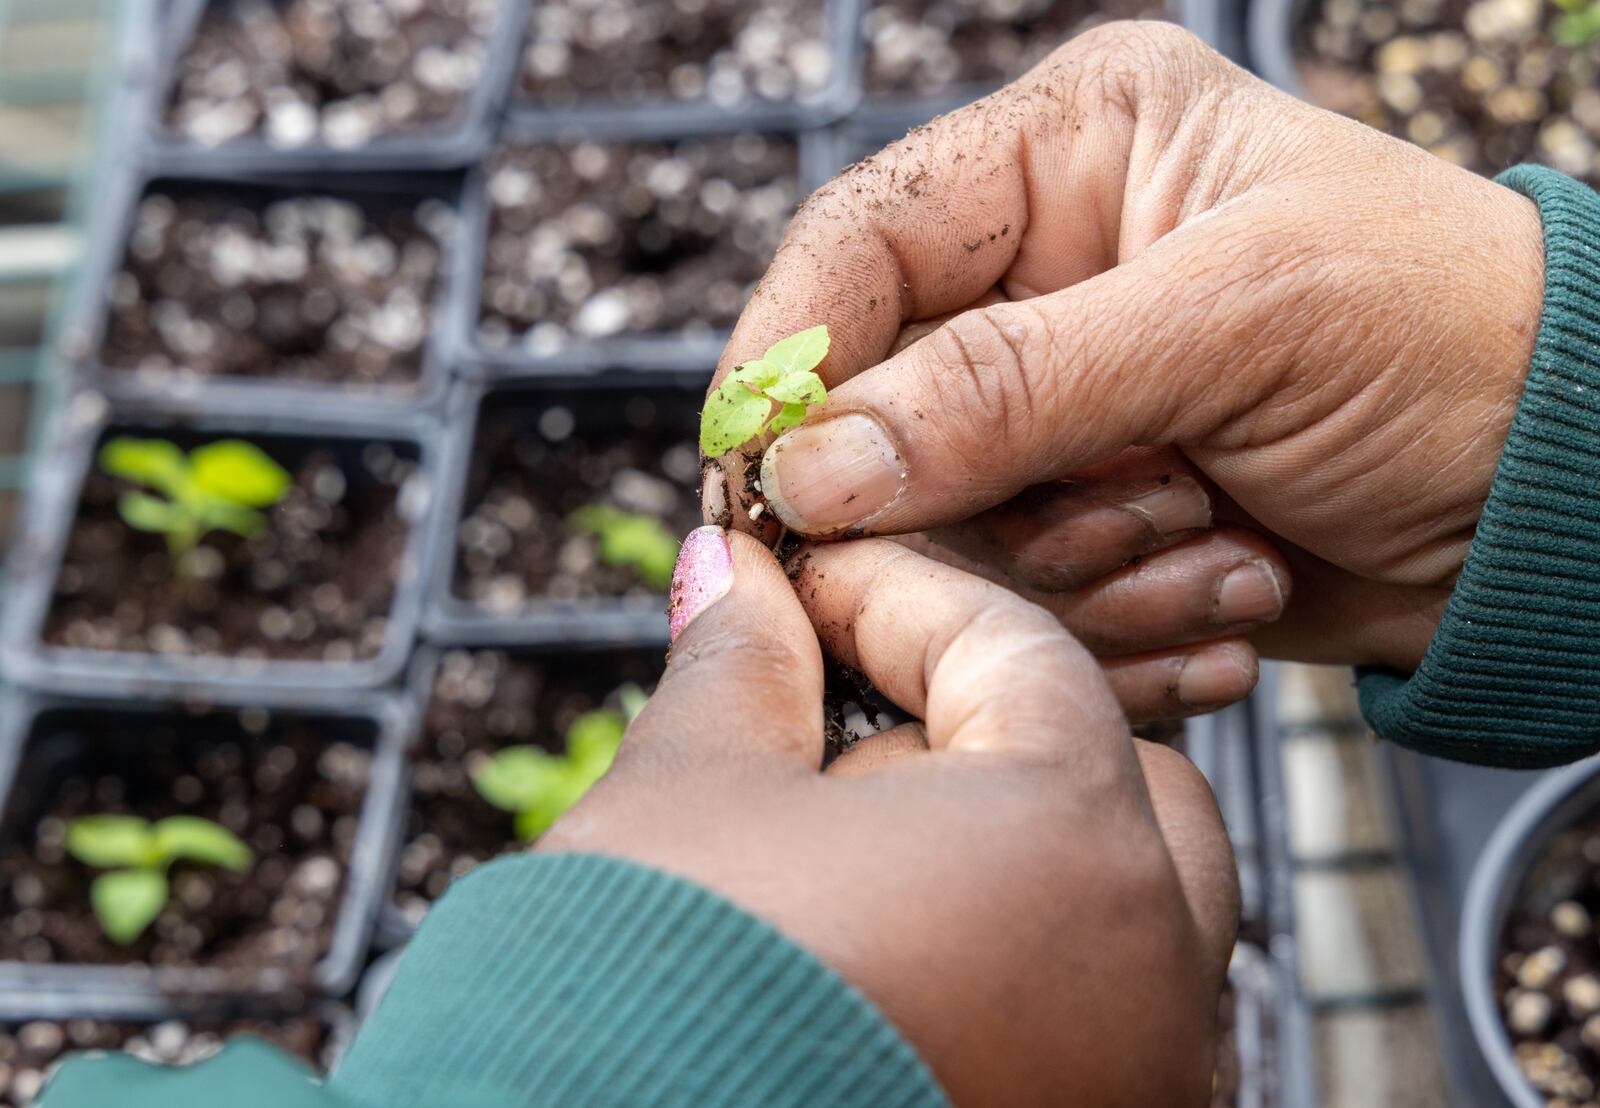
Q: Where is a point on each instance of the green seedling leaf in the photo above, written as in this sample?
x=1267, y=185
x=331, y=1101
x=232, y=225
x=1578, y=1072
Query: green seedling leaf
x=741, y=407
x=155, y=463
x=636, y=540
x=593, y=739
x=520, y=777
x=126, y=901
x=190, y=838
x=217, y=516
x=633, y=700
x=108, y=842
x=238, y=472
x=144, y=512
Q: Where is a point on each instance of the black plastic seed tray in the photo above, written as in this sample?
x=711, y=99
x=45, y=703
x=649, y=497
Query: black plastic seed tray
x=449, y=144
x=42, y=735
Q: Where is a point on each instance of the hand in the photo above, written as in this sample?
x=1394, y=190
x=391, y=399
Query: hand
x=1043, y=905
x=1332, y=325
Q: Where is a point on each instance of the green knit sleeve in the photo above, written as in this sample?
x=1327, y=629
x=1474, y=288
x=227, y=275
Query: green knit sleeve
x=578, y=980
x=1512, y=676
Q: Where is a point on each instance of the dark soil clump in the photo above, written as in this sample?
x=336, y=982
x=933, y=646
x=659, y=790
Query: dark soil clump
x=317, y=583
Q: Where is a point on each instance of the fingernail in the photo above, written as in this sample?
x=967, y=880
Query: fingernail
x=1210, y=678
x=823, y=478
x=703, y=575
x=714, y=497
x=1170, y=509
x=1248, y=594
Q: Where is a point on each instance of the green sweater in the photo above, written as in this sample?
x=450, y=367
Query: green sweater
x=547, y=980
x=568, y=980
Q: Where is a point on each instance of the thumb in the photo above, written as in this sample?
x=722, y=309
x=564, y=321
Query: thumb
x=744, y=677
x=1153, y=351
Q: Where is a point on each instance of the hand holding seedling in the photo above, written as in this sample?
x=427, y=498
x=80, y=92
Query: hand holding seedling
x=216, y=487
x=741, y=408
x=1140, y=245
x=1013, y=879
x=137, y=855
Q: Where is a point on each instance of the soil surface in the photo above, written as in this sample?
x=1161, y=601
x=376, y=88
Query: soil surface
x=540, y=457
x=300, y=287
x=730, y=52
x=317, y=583
x=297, y=72
x=484, y=700
x=290, y=787
x=588, y=240
x=28, y=1050
x=1548, y=976
x=1483, y=85
x=925, y=47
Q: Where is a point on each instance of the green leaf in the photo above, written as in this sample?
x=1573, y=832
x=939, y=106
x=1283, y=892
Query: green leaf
x=800, y=388
x=216, y=515
x=518, y=777
x=733, y=415
x=799, y=352
x=144, y=512
x=110, y=841
x=594, y=737
x=790, y=415
x=126, y=901
x=759, y=374
x=199, y=840
x=633, y=700
x=153, y=462
x=239, y=472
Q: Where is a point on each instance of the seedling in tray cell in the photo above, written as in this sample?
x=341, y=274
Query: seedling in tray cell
x=742, y=407
x=1578, y=24
x=216, y=487
x=539, y=787
x=136, y=855
x=636, y=540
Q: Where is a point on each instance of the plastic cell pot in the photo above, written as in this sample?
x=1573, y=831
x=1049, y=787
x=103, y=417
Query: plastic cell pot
x=51, y=513
x=49, y=746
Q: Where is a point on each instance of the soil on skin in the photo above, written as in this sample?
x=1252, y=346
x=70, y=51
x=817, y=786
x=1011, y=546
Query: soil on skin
x=728, y=52
x=298, y=72
x=1547, y=978
x=590, y=240
x=926, y=47
x=1482, y=85
x=316, y=584
x=291, y=788
x=300, y=287
x=538, y=458
x=28, y=1050
x=484, y=700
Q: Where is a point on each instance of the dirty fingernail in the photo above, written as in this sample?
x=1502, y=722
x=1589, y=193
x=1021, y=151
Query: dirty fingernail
x=1248, y=594
x=703, y=575
x=1212, y=678
x=714, y=496
x=826, y=477
x=1179, y=505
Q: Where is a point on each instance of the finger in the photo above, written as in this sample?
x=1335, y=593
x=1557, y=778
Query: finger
x=1063, y=535
x=1186, y=811
x=985, y=670
x=1173, y=684
x=876, y=751
x=744, y=677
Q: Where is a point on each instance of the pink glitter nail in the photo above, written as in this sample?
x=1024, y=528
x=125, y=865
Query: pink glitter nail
x=704, y=573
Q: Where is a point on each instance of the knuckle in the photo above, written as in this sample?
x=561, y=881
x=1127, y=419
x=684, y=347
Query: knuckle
x=735, y=651
x=989, y=364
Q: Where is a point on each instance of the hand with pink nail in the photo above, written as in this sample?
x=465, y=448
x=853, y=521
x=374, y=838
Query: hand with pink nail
x=1322, y=331
x=1009, y=881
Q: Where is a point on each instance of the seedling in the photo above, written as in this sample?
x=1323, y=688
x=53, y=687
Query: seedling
x=136, y=855
x=785, y=375
x=216, y=487
x=636, y=540
x=538, y=787
x=1578, y=24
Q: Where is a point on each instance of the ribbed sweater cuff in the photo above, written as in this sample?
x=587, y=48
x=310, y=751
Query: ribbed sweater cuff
x=1512, y=676
x=580, y=980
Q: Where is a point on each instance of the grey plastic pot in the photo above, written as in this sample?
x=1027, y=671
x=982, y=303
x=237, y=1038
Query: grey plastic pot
x=1269, y=33
x=29, y=990
x=41, y=541
x=1549, y=807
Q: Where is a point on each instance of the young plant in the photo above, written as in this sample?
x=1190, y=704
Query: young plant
x=538, y=787
x=136, y=855
x=742, y=406
x=1578, y=25
x=636, y=540
x=216, y=487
